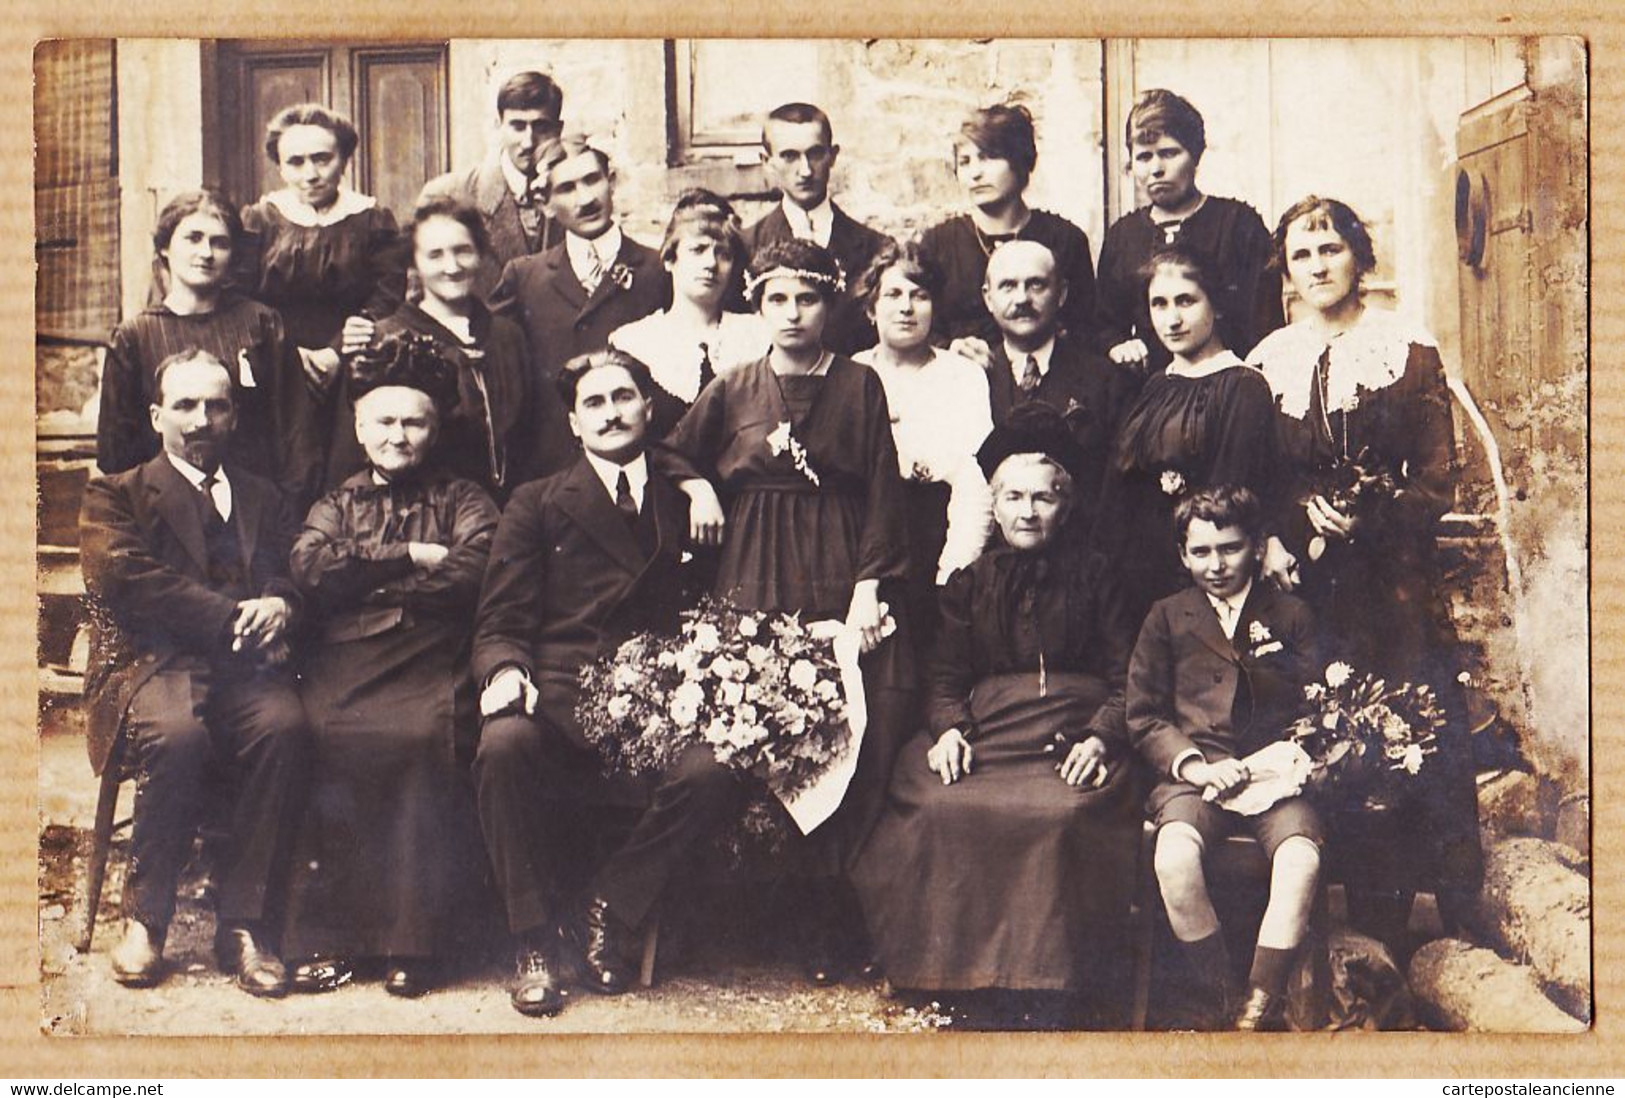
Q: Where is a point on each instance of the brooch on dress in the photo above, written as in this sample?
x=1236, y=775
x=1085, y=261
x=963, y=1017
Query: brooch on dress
x=781, y=441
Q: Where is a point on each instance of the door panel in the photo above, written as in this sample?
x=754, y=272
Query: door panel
x=401, y=113
x=396, y=95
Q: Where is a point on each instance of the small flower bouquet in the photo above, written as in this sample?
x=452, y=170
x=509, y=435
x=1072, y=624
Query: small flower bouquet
x=1366, y=739
x=763, y=691
x=1353, y=486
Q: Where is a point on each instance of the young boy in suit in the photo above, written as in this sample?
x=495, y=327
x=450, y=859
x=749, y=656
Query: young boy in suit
x=1218, y=672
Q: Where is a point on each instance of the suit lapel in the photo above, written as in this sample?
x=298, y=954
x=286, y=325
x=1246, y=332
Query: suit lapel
x=607, y=288
x=1257, y=608
x=1204, y=622
x=178, y=506
x=670, y=530
x=491, y=186
x=247, y=508
x=564, y=280
x=1001, y=387
x=589, y=506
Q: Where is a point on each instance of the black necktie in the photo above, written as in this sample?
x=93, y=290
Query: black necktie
x=624, y=503
x=211, y=510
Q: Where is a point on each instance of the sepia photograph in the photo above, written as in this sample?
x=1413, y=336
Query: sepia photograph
x=828, y=535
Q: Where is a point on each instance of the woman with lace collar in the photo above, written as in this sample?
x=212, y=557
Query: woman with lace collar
x=328, y=259
x=1368, y=459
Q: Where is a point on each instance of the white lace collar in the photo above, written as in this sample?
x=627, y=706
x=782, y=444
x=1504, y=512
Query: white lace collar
x=1369, y=356
x=347, y=204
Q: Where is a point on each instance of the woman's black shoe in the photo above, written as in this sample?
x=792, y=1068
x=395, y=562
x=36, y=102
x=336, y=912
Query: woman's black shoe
x=320, y=974
x=407, y=979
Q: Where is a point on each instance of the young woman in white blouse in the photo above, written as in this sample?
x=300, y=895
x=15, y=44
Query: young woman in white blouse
x=940, y=416
x=701, y=331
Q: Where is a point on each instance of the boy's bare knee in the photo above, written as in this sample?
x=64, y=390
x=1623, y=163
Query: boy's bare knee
x=1298, y=856
x=1178, y=855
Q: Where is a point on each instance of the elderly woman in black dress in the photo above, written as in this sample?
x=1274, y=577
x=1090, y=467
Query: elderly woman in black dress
x=1006, y=857
x=1166, y=137
x=329, y=260
x=993, y=159
x=1361, y=392
x=391, y=562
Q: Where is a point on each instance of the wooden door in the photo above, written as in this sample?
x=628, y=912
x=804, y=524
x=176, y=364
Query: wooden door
x=395, y=94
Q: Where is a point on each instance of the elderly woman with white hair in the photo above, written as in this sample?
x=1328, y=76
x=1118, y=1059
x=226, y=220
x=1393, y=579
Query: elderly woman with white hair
x=1006, y=857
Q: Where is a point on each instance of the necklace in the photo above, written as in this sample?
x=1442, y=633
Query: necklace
x=1323, y=369
x=989, y=241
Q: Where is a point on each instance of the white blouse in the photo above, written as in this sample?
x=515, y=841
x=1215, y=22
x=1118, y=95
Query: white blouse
x=1369, y=356
x=940, y=416
x=673, y=350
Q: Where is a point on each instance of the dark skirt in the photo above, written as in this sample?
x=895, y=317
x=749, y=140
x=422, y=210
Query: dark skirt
x=390, y=845
x=793, y=549
x=927, y=504
x=1009, y=878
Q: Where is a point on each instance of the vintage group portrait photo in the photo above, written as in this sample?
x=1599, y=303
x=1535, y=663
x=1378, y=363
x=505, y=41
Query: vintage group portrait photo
x=834, y=535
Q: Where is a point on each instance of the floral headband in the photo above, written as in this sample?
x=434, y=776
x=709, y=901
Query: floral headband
x=836, y=283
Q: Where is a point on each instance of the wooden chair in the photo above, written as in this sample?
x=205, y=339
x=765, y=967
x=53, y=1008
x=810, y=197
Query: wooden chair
x=101, y=841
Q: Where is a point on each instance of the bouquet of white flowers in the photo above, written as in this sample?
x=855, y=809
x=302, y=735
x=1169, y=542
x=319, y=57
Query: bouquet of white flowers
x=764, y=691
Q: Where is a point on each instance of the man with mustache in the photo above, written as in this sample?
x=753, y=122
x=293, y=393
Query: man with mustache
x=186, y=563
x=503, y=186
x=571, y=297
x=582, y=560
x=1034, y=360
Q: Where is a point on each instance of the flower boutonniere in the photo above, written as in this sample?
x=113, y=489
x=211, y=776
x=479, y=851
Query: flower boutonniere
x=1172, y=482
x=1262, y=641
x=782, y=441
x=621, y=275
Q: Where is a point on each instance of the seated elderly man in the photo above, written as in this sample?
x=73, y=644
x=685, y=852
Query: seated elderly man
x=185, y=561
x=1005, y=860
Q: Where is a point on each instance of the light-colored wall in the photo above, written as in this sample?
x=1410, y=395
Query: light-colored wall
x=160, y=146
x=895, y=105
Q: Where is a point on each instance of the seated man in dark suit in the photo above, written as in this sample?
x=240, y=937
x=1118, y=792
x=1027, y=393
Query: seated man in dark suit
x=571, y=297
x=186, y=565
x=1036, y=361
x=798, y=153
x=582, y=560
x=503, y=186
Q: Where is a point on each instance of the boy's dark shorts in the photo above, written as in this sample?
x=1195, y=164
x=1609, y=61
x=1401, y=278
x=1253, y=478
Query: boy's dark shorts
x=1183, y=802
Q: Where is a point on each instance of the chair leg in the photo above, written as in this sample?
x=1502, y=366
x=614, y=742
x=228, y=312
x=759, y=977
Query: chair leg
x=1144, y=930
x=651, y=942
x=100, y=844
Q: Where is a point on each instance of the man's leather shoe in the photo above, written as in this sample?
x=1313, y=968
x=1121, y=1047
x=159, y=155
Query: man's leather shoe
x=320, y=974
x=257, y=969
x=1261, y=1011
x=138, y=960
x=597, y=937
x=536, y=989
x=408, y=979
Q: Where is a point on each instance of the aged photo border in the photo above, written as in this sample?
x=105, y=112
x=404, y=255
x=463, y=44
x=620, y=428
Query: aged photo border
x=24, y=1050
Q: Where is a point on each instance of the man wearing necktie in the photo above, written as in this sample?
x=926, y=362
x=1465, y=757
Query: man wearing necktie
x=503, y=186
x=185, y=562
x=1034, y=360
x=582, y=560
x=798, y=154
x=571, y=297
